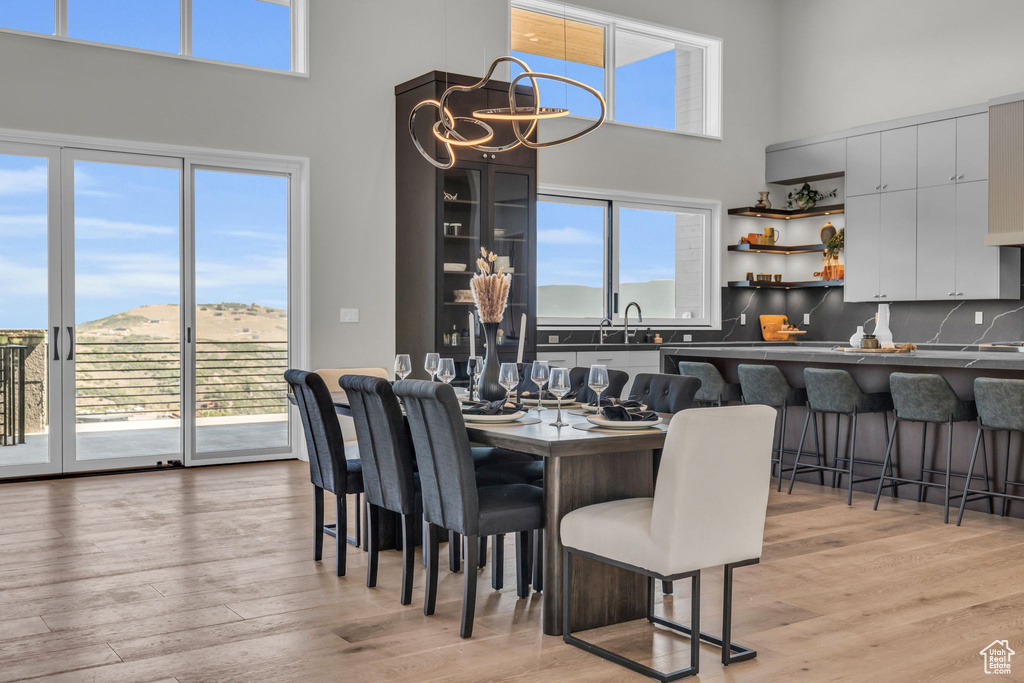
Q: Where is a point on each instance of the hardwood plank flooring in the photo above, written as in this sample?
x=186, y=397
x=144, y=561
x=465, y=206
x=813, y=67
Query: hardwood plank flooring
x=205, y=575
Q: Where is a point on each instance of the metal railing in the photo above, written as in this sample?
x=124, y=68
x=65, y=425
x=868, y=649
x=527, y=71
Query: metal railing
x=122, y=379
x=12, y=394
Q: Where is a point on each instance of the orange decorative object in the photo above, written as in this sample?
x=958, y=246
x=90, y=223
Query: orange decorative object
x=835, y=271
x=777, y=328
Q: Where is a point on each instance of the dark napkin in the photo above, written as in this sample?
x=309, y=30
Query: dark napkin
x=620, y=414
x=548, y=396
x=490, y=408
x=629, y=404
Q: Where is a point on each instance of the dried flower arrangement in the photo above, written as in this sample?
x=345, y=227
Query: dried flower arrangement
x=490, y=290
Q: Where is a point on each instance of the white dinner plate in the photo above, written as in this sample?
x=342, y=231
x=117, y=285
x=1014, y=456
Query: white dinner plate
x=553, y=402
x=497, y=419
x=593, y=409
x=605, y=423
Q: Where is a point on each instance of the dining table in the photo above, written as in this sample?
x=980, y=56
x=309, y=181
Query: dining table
x=583, y=465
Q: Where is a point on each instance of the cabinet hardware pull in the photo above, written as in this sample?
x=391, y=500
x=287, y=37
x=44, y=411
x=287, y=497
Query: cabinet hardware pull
x=959, y=177
x=71, y=343
x=56, y=343
x=951, y=294
x=952, y=177
x=885, y=186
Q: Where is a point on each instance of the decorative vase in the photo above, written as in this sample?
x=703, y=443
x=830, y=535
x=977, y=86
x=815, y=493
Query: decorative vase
x=831, y=269
x=805, y=203
x=488, y=388
x=882, y=330
x=763, y=202
x=857, y=337
x=827, y=232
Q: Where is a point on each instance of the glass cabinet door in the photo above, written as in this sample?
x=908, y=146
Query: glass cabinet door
x=460, y=232
x=510, y=234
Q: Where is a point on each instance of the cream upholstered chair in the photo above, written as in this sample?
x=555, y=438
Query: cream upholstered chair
x=708, y=509
x=330, y=377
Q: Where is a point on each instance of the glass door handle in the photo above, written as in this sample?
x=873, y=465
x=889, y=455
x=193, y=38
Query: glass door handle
x=71, y=343
x=56, y=343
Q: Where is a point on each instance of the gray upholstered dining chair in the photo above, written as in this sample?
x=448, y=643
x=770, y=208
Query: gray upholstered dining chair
x=664, y=393
x=617, y=380
x=453, y=500
x=708, y=509
x=714, y=390
x=328, y=468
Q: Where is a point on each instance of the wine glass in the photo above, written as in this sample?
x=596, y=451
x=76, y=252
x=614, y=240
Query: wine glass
x=446, y=370
x=539, y=373
x=598, y=382
x=478, y=369
x=559, y=384
x=430, y=365
x=508, y=377
x=403, y=365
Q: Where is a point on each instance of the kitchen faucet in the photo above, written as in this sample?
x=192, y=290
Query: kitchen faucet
x=603, y=333
x=625, y=320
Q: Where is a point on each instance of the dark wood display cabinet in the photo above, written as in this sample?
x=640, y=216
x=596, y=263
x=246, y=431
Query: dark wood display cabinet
x=445, y=216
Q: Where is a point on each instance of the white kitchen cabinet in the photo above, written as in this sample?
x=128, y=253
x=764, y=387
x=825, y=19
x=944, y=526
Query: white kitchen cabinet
x=863, y=242
x=936, y=239
x=936, y=153
x=898, y=167
x=806, y=162
x=897, y=258
x=972, y=148
x=863, y=164
x=558, y=358
x=981, y=272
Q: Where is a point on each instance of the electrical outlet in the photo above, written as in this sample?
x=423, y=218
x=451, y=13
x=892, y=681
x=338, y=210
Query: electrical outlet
x=979, y=318
x=807, y=318
x=350, y=315
x=743, y=318
x=552, y=339
x=687, y=337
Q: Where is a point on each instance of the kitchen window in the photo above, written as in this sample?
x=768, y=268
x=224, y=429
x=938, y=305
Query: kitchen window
x=597, y=254
x=651, y=76
x=261, y=34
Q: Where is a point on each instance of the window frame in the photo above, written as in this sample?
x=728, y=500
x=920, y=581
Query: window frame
x=616, y=200
x=299, y=37
x=711, y=45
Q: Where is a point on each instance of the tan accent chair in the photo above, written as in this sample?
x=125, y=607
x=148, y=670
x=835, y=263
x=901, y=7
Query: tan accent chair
x=348, y=427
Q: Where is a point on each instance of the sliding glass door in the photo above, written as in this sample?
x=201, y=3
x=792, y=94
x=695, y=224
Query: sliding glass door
x=123, y=289
x=144, y=310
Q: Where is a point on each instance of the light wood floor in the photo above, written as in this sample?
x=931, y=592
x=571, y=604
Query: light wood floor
x=205, y=575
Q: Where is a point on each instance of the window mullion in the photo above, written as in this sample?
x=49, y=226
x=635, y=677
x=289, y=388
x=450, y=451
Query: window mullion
x=613, y=262
x=609, y=70
x=186, y=28
x=60, y=14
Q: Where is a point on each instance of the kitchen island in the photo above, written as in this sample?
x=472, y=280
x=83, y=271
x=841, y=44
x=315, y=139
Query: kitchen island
x=960, y=365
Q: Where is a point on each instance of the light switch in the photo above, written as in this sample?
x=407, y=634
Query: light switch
x=743, y=318
x=350, y=315
x=807, y=318
x=687, y=337
x=979, y=318
x=552, y=339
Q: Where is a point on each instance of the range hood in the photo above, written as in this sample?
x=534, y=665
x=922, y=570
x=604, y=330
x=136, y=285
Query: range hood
x=1006, y=172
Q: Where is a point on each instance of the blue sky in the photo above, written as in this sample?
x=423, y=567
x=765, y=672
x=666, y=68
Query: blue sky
x=241, y=31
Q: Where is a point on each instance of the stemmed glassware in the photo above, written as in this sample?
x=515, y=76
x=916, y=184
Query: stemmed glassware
x=598, y=382
x=431, y=363
x=540, y=373
x=559, y=384
x=446, y=370
x=403, y=365
x=508, y=377
x=477, y=363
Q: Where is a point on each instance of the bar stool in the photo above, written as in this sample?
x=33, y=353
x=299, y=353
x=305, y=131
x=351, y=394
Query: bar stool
x=766, y=385
x=927, y=399
x=835, y=392
x=714, y=390
x=999, y=404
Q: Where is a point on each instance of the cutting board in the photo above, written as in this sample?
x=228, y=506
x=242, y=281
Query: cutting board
x=852, y=350
x=771, y=328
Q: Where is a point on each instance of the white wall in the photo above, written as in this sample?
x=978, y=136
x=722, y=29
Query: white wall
x=845, y=63
x=341, y=117
x=626, y=158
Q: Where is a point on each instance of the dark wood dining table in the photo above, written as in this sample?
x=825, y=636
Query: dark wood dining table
x=580, y=468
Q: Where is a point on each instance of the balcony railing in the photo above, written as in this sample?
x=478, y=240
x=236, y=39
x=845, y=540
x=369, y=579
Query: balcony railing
x=121, y=380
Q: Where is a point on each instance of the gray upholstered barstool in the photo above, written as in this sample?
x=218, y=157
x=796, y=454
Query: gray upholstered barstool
x=999, y=404
x=714, y=390
x=926, y=399
x=835, y=392
x=766, y=385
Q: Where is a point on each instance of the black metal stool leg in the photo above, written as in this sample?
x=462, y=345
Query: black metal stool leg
x=818, y=453
x=887, y=462
x=835, y=473
x=924, y=450
x=799, y=451
x=984, y=471
x=1006, y=473
x=853, y=457
x=894, y=488
x=949, y=464
x=970, y=470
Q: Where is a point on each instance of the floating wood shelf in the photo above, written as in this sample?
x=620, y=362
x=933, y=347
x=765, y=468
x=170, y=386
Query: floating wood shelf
x=778, y=248
x=786, y=285
x=783, y=214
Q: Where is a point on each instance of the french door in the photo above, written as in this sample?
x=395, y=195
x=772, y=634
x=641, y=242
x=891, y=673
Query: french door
x=144, y=315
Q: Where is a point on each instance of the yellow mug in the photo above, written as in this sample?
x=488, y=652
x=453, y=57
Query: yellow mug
x=771, y=236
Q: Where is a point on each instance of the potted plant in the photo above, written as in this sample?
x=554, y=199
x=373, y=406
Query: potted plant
x=805, y=197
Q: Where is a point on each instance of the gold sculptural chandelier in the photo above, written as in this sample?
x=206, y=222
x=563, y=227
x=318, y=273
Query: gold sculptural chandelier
x=444, y=129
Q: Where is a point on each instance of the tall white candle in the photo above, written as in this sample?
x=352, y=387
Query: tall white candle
x=472, y=335
x=522, y=338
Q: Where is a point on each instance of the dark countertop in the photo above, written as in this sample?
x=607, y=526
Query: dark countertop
x=545, y=348
x=934, y=356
